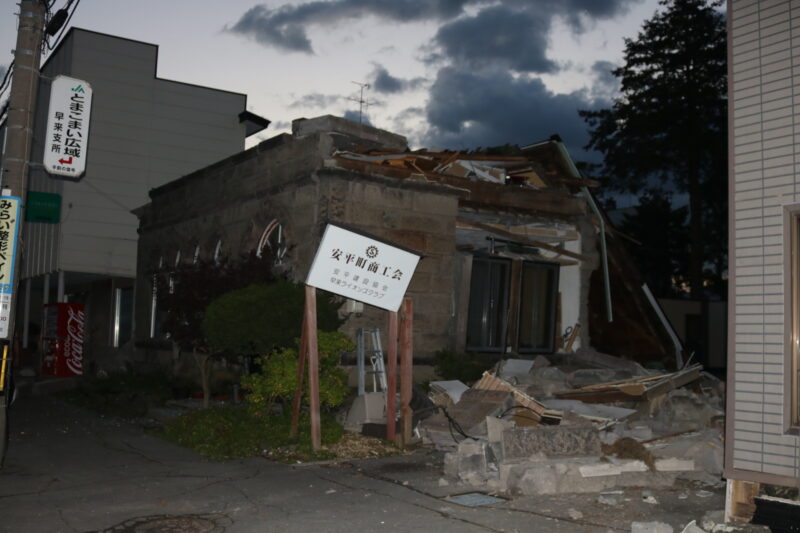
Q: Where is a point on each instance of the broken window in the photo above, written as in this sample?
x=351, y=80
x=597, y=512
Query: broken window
x=524, y=290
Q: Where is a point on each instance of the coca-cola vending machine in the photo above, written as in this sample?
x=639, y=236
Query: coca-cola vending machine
x=62, y=340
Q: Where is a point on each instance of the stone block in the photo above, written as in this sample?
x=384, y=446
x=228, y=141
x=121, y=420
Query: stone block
x=564, y=476
x=650, y=527
x=437, y=204
x=471, y=457
x=520, y=443
x=692, y=527
x=674, y=464
x=451, y=464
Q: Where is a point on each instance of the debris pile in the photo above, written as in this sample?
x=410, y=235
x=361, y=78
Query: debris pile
x=578, y=422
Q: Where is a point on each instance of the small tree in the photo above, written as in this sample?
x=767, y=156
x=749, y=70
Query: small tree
x=277, y=379
x=186, y=290
x=259, y=318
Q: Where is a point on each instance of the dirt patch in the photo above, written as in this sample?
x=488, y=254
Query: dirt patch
x=356, y=446
x=628, y=448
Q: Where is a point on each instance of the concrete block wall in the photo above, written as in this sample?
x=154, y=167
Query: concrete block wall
x=420, y=217
x=285, y=179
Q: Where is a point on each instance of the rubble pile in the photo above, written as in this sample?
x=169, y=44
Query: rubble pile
x=576, y=423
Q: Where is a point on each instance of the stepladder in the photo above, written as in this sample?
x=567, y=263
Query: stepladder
x=368, y=346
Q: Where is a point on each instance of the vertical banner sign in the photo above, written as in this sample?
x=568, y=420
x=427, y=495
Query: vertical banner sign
x=9, y=215
x=67, y=136
x=362, y=268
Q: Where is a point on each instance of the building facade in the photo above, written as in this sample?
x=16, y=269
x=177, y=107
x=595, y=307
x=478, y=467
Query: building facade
x=509, y=243
x=144, y=132
x=763, y=419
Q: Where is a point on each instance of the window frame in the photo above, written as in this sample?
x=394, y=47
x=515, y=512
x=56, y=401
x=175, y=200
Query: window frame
x=503, y=313
x=120, y=337
x=791, y=411
x=511, y=303
x=555, y=269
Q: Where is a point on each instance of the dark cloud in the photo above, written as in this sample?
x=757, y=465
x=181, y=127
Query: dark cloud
x=383, y=82
x=286, y=27
x=317, y=100
x=352, y=114
x=516, y=38
x=279, y=125
x=605, y=85
x=267, y=27
x=469, y=109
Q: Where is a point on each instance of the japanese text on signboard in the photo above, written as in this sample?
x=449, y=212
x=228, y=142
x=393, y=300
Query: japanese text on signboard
x=9, y=215
x=68, y=127
x=362, y=268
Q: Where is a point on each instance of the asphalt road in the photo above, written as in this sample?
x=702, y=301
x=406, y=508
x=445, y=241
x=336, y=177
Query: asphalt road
x=69, y=470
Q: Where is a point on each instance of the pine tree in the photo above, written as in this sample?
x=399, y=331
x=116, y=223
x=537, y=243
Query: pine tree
x=668, y=127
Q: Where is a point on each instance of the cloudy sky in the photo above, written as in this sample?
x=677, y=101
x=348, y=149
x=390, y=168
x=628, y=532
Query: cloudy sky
x=446, y=73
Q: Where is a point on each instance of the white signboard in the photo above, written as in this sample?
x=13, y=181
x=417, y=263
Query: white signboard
x=362, y=268
x=9, y=217
x=67, y=136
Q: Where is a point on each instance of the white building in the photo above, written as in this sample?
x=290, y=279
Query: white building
x=144, y=132
x=763, y=413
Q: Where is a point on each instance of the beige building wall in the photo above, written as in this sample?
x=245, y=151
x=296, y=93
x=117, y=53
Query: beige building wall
x=764, y=117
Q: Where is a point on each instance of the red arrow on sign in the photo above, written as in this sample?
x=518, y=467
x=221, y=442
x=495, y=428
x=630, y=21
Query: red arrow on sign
x=66, y=161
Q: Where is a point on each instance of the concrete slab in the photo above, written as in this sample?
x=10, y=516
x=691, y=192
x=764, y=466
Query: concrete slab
x=553, y=441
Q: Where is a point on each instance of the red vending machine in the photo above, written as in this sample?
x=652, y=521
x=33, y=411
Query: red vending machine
x=62, y=340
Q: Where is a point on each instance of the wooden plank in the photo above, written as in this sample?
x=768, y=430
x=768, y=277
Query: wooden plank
x=636, y=389
x=313, y=366
x=530, y=231
x=481, y=193
x=519, y=238
x=491, y=382
x=740, y=504
x=406, y=368
x=572, y=336
x=673, y=381
x=391, y=377
x=604, y=396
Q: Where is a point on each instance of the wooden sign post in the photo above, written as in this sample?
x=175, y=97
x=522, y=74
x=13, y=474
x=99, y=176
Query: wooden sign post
x=308, y=351
x=391, y=376
x=367, y=269
x=406, y=365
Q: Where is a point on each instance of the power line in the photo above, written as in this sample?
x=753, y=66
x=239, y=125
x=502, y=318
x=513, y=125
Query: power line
x=64, y=25
x=5, y=84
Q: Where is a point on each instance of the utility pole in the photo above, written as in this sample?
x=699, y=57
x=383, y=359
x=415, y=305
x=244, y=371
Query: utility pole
x=21, y=115
x=22, y=99
x=14, y=176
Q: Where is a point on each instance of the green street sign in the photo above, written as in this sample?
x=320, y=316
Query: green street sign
x=43, y=207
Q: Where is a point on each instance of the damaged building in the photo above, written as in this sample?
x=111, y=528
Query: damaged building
x=518, y=264
x=515, y=253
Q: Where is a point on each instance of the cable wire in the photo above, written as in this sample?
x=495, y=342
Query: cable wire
x=6, y=78
x=57, y=40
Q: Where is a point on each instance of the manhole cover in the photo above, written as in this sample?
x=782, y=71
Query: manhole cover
x=170, y=524
x=474, y=499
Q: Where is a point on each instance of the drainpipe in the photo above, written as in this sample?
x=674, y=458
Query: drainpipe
x=603, y=251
